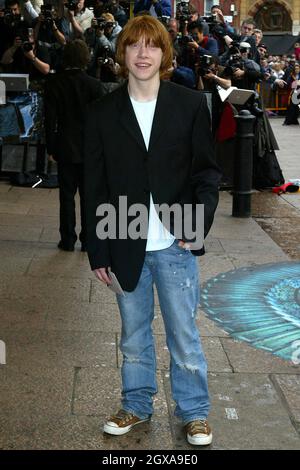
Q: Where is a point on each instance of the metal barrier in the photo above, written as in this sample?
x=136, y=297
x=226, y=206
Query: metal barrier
x=274, y=100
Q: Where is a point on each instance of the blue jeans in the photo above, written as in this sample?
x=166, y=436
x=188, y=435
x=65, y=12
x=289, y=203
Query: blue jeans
x=175, y=274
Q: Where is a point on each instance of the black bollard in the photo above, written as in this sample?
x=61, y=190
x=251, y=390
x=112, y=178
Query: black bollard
x=243, y=165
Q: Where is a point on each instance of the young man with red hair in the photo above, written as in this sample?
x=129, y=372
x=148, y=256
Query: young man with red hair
x=150, y=140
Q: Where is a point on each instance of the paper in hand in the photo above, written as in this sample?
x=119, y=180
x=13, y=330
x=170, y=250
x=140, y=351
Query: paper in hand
x=115, y=286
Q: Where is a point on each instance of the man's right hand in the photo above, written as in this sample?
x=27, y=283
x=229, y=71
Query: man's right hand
x=101, y=274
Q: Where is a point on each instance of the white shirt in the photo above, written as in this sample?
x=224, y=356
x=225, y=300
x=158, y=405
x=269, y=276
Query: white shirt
x=158, y=238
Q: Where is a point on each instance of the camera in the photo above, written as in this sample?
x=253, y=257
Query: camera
x=46, y=11
x=102, y=23
x=164, y=19
x=103, y=55
x=233, y=64
x=186, y=39
x=204, y=63
x=24, y=36
x=72, y=5
x=9, y=19
x=182, y=11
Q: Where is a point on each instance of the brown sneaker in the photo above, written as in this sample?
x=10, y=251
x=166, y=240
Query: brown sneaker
x=198, y=432
x=122, y=422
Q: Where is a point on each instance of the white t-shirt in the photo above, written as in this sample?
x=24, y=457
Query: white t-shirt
x=159, y=238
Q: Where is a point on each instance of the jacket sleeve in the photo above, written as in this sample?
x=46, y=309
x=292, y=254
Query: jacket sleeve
x=95, y=187
x=205, y=173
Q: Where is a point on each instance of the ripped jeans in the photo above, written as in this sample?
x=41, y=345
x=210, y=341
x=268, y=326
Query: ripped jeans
x=175, y=274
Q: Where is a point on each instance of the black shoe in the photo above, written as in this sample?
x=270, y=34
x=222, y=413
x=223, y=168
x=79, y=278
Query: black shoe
x=64, y=247
x=83, y=247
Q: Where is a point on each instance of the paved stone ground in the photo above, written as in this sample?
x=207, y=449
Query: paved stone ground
x=61, y=330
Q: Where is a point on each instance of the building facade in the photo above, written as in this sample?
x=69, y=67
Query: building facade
x=272, y=16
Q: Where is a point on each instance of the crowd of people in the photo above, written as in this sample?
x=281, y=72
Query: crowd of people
x=207, y=50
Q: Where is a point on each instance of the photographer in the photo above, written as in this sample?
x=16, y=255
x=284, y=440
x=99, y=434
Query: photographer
x=156, y=8
x=47, y=27
x=245, y=73
x=26, y=56
x=219, y=27
x=11, y=22
x=103, y=65
x=107, y=31
x=199, y=43
x=48, y=33
x=70, y=21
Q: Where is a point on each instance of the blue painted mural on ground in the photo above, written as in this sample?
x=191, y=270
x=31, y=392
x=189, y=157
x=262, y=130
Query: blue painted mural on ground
x=259, y=305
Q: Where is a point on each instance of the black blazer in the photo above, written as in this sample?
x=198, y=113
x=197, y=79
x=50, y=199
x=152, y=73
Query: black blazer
x=66, y=96
x=179, y=167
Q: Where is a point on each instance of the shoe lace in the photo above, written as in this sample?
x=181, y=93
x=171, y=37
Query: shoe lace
x=124, y=416
x=198, y=426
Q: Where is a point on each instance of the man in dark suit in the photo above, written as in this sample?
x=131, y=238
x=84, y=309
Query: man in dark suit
x=66, y=96
x=150, y=141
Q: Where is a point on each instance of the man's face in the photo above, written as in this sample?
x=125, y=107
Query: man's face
x=143, y=61
x=194, y=17
x=258, y=38
x=198, y=37
x=244, y=53
x=262, y=51
x=15, y=9
x=247, y=29
x=172, y=29
x=217, y=11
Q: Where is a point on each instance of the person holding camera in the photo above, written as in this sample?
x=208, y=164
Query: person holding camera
x=245, y=73
x=49, y=33
x=26, y=56
x=74, y=24
x=200, y=43
x=47, y=27
x=11, y=24
x=107, y=31
x=66, y=95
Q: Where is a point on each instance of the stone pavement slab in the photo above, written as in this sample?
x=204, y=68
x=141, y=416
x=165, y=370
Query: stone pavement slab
x=31, y=288
x=25, y=391
x=59, y=348
x=290, y=388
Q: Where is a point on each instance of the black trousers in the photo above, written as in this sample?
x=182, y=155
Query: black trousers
x=70, y=179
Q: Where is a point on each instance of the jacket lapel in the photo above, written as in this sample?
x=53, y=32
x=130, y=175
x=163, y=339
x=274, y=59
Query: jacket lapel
x=128, y=119
x=163, y=114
